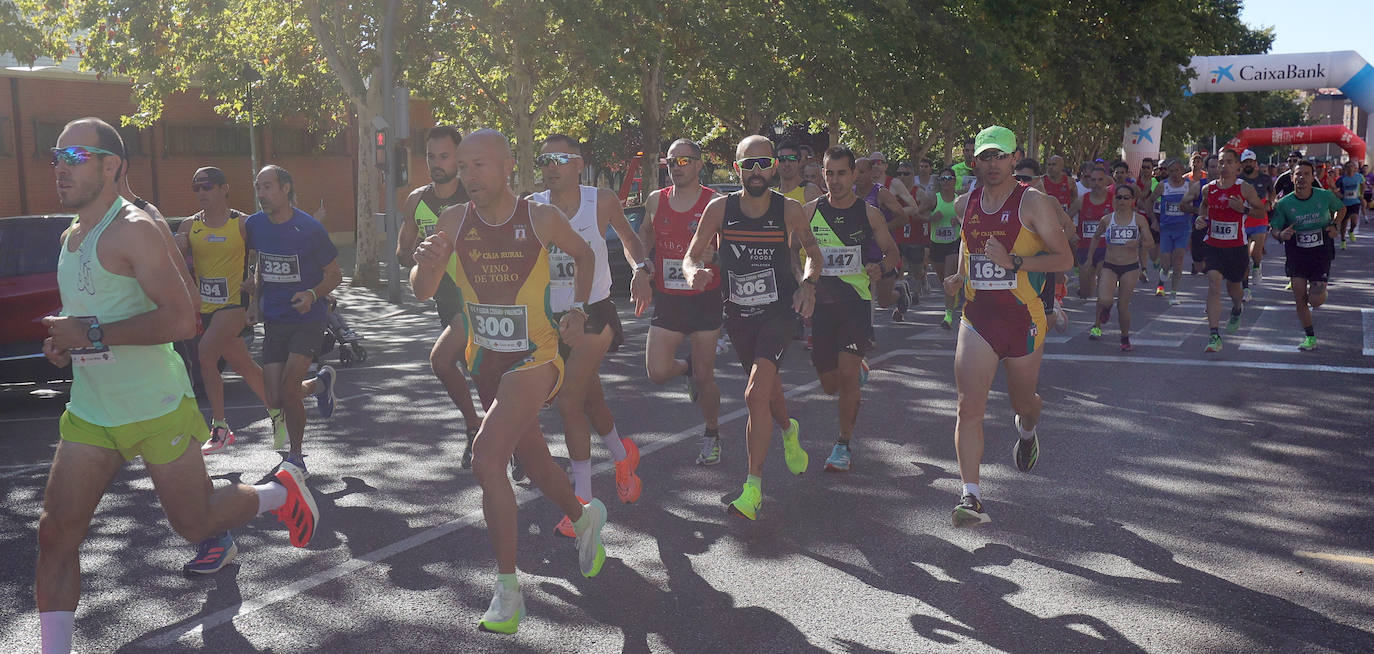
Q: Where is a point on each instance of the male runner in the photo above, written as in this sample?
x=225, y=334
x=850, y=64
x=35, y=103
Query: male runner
x=814, y=176
x=925, y=176
x=1012, y=237
x=1193, y=204
x=1283, y=184
x=1057, y=184
x=215, y=238
x=1351, y=186
x=889, y=291
x=1146, y=182
x=503, y=273
x=790, y=180
x=965, y=169
x=1087, y=211
x=898, y=188
x=945, y=240
x=1027, y=172
x=1121, y=174
x=1305, y=220
x=845, y=227
x=1256, y=225
x=753, y=227
x=297, y=266
x=124, y=301
x=1175, y=224
x=671, y=216
x=424, y=205
x=582, y=401
x=1226, y=201
x=1197, y=170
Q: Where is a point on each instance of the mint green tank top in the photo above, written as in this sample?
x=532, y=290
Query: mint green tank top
x=130, y=383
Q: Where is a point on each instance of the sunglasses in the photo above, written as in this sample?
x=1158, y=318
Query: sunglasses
x=1125, y=197
x=997, y=156
x=904, y=173
x=202, y=186
x=756, y=163
x=550, y=158
x=945, y=178
x=680, y=162
x=76, y=155
x=789, y=157
x=1023, y=178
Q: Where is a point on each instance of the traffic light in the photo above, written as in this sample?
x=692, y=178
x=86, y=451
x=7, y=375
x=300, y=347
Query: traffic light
x=380, y=143
x=402, y=166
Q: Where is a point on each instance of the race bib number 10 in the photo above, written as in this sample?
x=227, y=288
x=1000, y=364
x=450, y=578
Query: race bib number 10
x=280, y=268
x=561, y=269
x=754, y=289
x=500, y=327
x=984, y=275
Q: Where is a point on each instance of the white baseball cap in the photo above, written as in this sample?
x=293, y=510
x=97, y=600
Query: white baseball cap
x=1248, y=155
x=877, y=155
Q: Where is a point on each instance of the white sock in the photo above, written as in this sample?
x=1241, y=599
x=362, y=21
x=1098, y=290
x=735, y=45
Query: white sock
x=56, y=628
x=612, y=442
x=972, y=488
x=1026, y=434
x=582, y=479
x=270, y=496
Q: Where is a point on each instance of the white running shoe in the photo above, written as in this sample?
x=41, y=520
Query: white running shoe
x=507, y=607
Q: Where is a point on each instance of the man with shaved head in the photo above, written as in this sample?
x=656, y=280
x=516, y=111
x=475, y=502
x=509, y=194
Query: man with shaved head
x=762, y=297
x=502, y=244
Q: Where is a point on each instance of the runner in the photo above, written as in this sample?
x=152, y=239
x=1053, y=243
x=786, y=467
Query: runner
x=423, y=207
x=1125, y=230
x=898, y=188
x=1027, y=172
x=504, y=275
x=582, y=402
x=925, y=176
x=945, y=240
x=1175, y=224
x=1351, y=187
x=297, y=266
x=1001, y=268
x=215, y=239
x=1087, y=211
x=1057, y=184
x=814, y=176
x=753, y=226
x=124, y=301
x=1145, y=185
x=1305, y=220
x=1193, y=204
x=1121, y=174
x=845, y=228
x=1256, y=225
x=1368, y=191
x=889, y=291
x=965, y=169
x=1225, y=204
x=790, y=180
x=1283, y=184
x=680, y=313
x=1198, y=167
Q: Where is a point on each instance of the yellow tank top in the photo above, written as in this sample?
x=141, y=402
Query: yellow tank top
x=218, y=254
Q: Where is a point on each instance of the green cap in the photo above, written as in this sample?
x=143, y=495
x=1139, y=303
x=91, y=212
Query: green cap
x=994, y=137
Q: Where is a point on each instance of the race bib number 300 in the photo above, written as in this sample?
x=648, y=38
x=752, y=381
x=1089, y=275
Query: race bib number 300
x=841, y=260
x=984, y=275
x=214, y=290
x=280, y=268
x=1309, y=239
x=1225, y=231
x=673, y=277
x=500, y=327
x=754, y=289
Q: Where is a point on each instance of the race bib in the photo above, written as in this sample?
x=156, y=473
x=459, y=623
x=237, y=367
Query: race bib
x=214, y=290
x=944, y=234
x=91, y=356
x=1172, y=209
x=1351, y=193
x=1090, y=228
x=1225, y=231
x=561, y=269
x=280, y=268
x=429, y=229
x=673, y=277
x=906, y=230
x=841, y=260
x=1121, y=235
x=500, y=327
x=754, y=289
x=1309, y=239
x=984, y=275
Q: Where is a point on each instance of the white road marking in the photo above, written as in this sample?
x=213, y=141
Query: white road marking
x=1266, y=334
x=1368, y=316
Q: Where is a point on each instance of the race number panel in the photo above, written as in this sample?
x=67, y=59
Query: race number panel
x=214, y=290
x=984, y=275
x=1121, y=235
x=841, y=260
x=754, y=289
x=673, y=277
x=500, y=327
x=944, y=234
x=1309, y=239
x=1090, y=228
x=1225, y=231
x=562, y=268
x=280, y=268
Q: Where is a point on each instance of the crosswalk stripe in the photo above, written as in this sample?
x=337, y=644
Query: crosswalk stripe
x=1266, y=334
x=1368, y=317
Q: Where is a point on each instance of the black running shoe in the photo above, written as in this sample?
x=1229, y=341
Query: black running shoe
x=969, y=512
x=467, y=448
x=1026, y=451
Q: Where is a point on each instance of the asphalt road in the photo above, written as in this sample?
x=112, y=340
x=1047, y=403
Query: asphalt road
x=1182, y=502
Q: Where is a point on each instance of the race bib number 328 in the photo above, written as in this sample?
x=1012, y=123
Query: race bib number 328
x=280, y=268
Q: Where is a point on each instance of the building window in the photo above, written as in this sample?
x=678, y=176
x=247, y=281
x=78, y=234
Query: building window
x=45, y=137
x=301, y=141
x=207, y=140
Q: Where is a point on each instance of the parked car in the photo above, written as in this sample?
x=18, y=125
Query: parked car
x=28, y=292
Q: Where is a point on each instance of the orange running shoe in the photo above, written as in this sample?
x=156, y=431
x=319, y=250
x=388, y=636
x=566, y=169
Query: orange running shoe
x=627, y=483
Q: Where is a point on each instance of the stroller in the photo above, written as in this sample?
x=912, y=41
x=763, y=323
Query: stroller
x=338, y=333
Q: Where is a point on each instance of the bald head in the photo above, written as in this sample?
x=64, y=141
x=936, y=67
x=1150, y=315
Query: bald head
x=485, y=165
x=488, y=140
x=754, y=146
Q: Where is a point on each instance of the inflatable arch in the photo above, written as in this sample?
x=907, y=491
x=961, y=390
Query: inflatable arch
x=1338, y=134
x=1345, y=70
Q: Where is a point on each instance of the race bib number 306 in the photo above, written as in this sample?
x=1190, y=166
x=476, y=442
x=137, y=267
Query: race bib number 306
x=754, y=289
x=500, y=327
x=280, y=268
x=673, y=277
x=984, y=275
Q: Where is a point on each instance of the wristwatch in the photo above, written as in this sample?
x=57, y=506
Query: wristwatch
x=808, y=280
x=95, y=335
x=644, y=267
x=580, y=307
x=1016, y=262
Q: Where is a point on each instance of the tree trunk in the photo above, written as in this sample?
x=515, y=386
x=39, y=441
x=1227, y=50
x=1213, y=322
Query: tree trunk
x=651, y=89
x=520, y=94
x=368, y=241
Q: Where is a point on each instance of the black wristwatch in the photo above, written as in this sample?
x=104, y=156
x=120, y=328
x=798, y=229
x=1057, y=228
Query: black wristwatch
x=808, y=280
x=1016, y=262
x=95, y=335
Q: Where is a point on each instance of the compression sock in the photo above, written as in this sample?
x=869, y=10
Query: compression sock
x=1309, y=330
x=612, y=442
x=582, y=479
x=508, y=580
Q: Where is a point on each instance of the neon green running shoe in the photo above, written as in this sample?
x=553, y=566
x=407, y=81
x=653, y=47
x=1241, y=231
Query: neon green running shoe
x=797, y=458
x=503, y=616
x=1213, y=343
x=1094, y=333
x=748, y=502
x=1233, y=323
x=1308, y=344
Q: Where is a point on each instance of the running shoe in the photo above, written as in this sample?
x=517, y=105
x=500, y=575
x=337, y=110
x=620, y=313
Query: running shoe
x=591, y=554
x=1353, y=237
x=565, y=526
x=279, y=437
x=1094, y=333
x=220, y=437
x=1288, y=286
x=299, y=513
x=792, y=452
x=325, y=395
x=517, y=471
x=212, y=554
x=1159, y=290
x=1173, y=299
x=1259, y=274
x=839, y=458
x=627, y=483
x=1213, y=343
x=692, y=393
x=808, y=343
x=1127, y=347
x=1144, y=278
x=710, y=451
x=722, y=345
x=969, y=512
x=1027, y=450
x=467, y=448
x=1308, y=344
x=1233, y=323
x=864, y=371
x=1342, y=244
x=504, y=613
x=903, y=302
x=1248, y=296
x=748, y=502
x=948, y=322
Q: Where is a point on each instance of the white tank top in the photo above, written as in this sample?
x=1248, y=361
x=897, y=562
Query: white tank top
x=561, y=265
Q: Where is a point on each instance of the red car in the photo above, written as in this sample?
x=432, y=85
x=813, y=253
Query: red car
x=28, y=291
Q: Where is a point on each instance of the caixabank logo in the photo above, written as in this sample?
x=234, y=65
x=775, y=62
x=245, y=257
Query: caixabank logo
x=1249, y=73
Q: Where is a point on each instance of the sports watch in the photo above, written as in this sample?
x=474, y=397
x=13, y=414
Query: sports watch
x=95, y=335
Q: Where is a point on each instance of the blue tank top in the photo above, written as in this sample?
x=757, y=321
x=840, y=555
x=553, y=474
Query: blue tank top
x=1170, y=215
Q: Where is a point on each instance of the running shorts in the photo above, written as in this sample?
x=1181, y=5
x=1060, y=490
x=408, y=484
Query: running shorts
x=158, y=440
x=599, y=316
x=1010, y=332
x=1312, y=264
x=836, y=327
x=1256, y=230
x=1098, y=257
x=1174, y=238
x=939, y=251
x=281, y=339
x=1199, y=245
x=764, y=336
x=1233, y=263
x=688, y=314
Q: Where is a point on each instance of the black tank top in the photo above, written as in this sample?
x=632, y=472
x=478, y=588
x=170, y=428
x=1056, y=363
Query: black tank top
x=844, y=235
x=756, y=260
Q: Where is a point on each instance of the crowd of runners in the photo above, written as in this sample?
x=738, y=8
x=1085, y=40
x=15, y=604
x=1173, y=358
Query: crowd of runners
x=807, y=248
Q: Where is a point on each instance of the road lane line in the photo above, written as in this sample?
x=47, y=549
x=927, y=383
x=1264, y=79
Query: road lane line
x=1266, y=334
x=1368, y=317
x=1343, y=558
